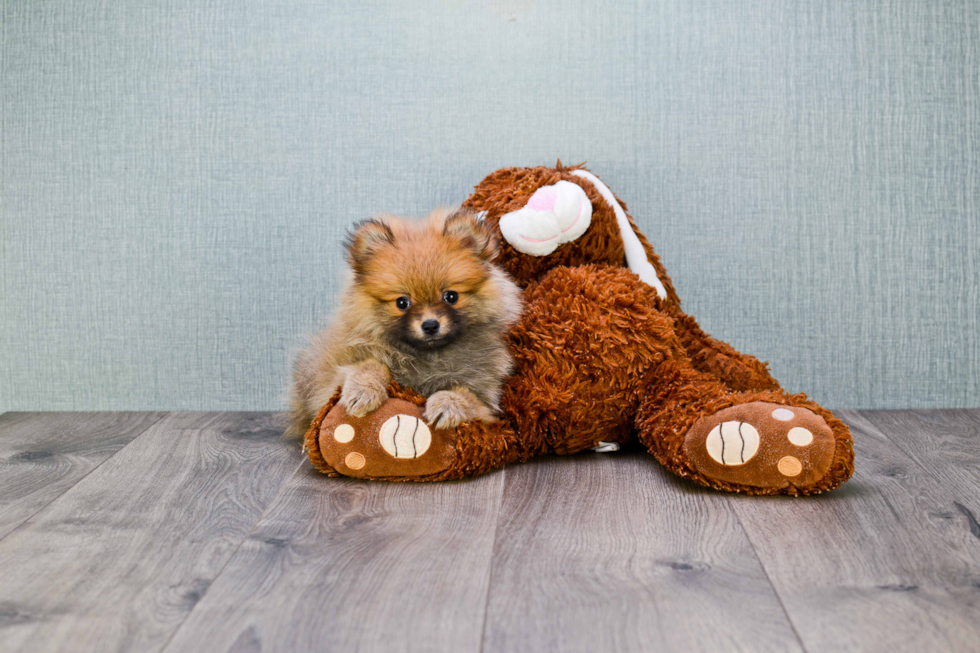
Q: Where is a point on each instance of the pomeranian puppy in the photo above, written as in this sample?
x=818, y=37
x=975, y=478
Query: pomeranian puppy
x=426, y=307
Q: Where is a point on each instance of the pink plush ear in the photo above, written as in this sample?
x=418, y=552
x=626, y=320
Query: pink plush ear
x=472, y=233
x=367, y=238
x=543, y=199
x=554, y=215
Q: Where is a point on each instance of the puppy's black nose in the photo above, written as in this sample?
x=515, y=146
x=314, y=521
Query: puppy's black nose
x=430, y=327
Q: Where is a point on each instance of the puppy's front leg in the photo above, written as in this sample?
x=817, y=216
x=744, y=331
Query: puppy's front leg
x=365, y=387
x=448, y=409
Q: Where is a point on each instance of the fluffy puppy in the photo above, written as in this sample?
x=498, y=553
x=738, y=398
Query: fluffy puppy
x=425, y=307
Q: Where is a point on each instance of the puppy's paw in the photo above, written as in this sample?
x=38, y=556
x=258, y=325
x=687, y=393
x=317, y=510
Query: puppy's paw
x=448, y=409
x=362, y=394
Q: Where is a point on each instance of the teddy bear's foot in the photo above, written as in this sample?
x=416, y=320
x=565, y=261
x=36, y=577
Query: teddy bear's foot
x=762, y=445
x=396, y=443
x=393, y=443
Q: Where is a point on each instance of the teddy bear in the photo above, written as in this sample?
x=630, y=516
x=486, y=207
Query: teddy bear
x=603, y=353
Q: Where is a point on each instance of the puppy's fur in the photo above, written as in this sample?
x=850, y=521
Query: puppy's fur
x=425, y=307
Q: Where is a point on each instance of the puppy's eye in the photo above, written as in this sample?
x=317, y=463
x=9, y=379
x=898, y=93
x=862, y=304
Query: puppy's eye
x=403, y=303
x=450, y=296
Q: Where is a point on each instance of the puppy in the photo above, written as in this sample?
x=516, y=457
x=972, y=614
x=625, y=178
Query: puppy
x=426, y=307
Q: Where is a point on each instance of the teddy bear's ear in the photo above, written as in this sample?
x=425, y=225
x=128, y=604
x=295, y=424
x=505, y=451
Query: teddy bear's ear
x=365, y=240
x=472, y=233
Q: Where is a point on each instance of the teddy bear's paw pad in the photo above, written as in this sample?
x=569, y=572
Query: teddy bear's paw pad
x=392, y=442
x=761, y=444
x=405, y=436
x=554, y=215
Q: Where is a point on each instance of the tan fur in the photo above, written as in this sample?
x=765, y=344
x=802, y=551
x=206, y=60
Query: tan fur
x=365, y=386
x=392, y=257
x=448, y=409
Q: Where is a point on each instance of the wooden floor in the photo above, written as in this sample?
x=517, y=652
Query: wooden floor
x=207, y=532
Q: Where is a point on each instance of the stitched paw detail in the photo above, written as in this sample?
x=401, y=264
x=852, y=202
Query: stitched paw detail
x=761, y=444
x=732, y=443
x=391, y=442
x=405, y=436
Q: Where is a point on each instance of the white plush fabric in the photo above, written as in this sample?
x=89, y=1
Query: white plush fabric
x=606, y=447
x=636, y=258
x=555, y=214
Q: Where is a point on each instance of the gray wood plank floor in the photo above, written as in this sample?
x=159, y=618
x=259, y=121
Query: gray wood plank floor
x=208, y=532
x=45, y=456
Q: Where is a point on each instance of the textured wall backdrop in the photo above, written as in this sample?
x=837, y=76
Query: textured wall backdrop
x=176, y=176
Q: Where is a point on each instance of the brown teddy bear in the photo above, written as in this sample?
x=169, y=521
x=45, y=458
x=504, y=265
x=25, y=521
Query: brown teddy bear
x=602, y=352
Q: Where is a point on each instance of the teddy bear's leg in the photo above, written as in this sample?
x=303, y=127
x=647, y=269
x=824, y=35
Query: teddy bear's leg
x=395, y=443
x=736, y=370
x=756, y=442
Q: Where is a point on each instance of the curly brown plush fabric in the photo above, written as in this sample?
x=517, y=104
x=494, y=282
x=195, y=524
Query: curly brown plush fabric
x=600, y=357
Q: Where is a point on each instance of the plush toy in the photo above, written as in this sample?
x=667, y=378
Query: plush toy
x=603, y=352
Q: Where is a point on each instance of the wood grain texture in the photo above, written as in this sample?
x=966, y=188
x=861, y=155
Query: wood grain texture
x=346, y=565
x=610, y=552
x=118, y=561
x=42, y=455
x=882, y=564
x=207, y=532
x=946, y=443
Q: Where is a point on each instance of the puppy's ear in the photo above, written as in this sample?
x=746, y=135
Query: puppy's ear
x=364, y=242
x=472, y=233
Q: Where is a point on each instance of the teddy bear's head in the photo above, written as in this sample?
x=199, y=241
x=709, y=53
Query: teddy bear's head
x=549, y=217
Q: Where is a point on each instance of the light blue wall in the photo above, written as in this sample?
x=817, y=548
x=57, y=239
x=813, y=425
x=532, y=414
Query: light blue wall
x=176, y=176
